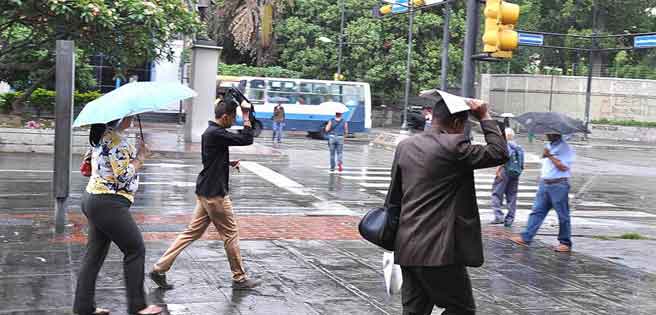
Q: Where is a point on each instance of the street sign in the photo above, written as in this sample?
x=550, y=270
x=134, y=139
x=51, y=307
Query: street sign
x=645, y=41
x=400, y=6
x=531, y=39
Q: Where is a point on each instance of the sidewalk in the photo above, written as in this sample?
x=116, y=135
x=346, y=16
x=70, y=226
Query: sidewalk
x=308, y=266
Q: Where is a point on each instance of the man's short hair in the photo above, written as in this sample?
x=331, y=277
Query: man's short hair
x=443, y=116
x=222, y=107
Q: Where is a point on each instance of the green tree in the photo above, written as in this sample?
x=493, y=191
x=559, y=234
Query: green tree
x=375, y=49
x=128, y=32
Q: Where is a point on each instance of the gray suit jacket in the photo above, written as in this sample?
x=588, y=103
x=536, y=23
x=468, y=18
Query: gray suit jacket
x=433, y=186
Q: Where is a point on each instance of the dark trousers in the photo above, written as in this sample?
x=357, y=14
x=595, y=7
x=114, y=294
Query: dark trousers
x=447, y=287
x=110, y=221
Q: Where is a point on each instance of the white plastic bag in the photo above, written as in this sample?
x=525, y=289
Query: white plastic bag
x=392, y=274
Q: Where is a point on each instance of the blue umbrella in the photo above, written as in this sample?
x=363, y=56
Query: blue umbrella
x=132, y=99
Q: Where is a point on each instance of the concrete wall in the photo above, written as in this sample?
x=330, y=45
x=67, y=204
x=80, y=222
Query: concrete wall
x=612, y=98
x=41, y=140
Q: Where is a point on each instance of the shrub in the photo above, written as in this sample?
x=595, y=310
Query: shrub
x=43, y=100
x=6, y=100
x=630, y=123
x=245, y=70
x=82, y=99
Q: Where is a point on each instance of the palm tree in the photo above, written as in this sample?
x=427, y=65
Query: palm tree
x=244, y=28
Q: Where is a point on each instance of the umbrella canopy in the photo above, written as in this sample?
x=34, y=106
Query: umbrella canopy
x=131, y=99
x=335, y=107
x=551, y=122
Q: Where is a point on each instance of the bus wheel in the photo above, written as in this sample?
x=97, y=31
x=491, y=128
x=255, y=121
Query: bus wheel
x=257, y=128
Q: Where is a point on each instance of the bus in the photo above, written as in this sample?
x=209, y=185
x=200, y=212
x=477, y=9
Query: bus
x=302, y=100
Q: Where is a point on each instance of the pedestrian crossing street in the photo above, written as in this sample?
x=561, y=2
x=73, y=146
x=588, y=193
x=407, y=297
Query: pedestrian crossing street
x=376, y=181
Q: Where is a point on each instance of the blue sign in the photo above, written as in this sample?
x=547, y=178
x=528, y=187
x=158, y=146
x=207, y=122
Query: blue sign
x=646, y=41
x=531, y=39
x=400, y=6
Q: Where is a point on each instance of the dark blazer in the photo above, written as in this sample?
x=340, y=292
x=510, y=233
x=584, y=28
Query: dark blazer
x=433, y=184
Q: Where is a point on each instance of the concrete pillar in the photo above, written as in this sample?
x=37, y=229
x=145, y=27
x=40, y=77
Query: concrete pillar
x=204, y=68
x=64, y=85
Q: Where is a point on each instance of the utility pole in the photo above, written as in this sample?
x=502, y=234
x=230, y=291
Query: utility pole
x=591, y=55
x=471, y=37
x=341, y=39
x=64, y=85
x=411, y=17
x=446, y=38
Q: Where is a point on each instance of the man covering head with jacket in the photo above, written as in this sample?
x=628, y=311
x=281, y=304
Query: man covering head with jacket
x=439, y=231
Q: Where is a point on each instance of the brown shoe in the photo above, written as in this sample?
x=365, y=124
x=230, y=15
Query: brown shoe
x=562, y=248
x=518, y=240
x=246, y=284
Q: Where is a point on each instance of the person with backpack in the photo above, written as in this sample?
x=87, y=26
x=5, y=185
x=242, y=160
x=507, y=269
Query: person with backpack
x=278, y=119
x=337, y=129
x=506, y=182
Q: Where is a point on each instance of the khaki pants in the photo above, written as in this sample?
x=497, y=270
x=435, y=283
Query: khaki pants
x=217, y=210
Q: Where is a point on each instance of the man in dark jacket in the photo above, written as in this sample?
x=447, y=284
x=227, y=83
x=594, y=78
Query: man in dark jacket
x=213, y=204
x=439, y=231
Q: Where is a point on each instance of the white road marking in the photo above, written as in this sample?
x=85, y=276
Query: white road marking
x=177, y=184
x=596, y=204
x=27, y=171
x=22, y=195
x=275, y=178
x=362, y=172
x=168, y=165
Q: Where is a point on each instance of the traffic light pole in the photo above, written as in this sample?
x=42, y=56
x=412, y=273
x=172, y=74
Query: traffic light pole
x=341, y=38
x=471, y=36
x=411, y=18
x=446, y=38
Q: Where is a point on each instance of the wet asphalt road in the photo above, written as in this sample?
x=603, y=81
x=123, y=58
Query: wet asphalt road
x=614, y=193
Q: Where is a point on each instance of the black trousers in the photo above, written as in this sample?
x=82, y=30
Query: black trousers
x=110, y=221
x=448, y=287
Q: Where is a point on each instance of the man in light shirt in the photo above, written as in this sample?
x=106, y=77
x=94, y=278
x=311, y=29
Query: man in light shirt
x=553, y=193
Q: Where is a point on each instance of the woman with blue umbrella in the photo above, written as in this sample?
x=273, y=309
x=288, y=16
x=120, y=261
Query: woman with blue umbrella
x=112, y=185
x=106, y=204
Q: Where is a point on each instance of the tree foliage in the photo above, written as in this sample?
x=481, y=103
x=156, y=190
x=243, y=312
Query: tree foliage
x=126, y=32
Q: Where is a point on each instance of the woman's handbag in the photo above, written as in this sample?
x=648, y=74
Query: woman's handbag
x=85, y=166
x=379, y=226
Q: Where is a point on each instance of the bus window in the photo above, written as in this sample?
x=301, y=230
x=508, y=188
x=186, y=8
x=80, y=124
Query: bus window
x=352, y=94
x=255, y=91
x=282, y=91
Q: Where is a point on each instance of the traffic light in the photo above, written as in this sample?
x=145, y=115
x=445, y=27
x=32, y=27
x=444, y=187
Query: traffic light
x=399, y=6
x=338, y=77
x=499, y=38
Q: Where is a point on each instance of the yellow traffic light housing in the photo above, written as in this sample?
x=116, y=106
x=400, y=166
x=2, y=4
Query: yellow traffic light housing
x=500, y=38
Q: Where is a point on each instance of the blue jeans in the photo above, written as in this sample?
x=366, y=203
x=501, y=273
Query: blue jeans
x=550, y=196
x=506, y=186
x=277, y=131
x=336, y=146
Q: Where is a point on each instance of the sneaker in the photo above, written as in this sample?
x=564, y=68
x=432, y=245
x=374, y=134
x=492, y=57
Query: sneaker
x=160, y=279
x=246, y=284
x=562, y=248
x=518, y=240
x=507, y=224
x=496, y=221
x=339, y=167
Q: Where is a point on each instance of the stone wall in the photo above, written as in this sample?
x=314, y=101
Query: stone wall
x=612, y=98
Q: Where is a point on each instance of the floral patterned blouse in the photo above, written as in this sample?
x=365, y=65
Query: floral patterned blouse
x=111, y=171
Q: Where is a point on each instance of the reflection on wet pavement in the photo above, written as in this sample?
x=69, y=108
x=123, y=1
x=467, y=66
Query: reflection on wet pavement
x=305, y=246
